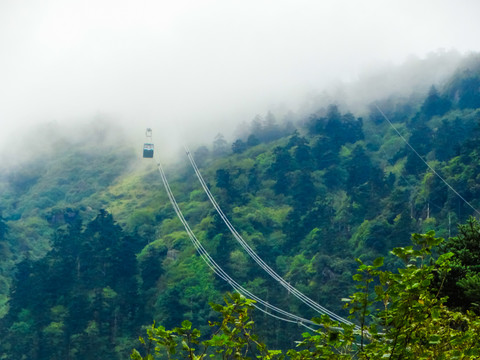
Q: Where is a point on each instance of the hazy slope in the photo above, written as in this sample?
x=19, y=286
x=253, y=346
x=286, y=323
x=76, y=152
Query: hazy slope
x=307, y=196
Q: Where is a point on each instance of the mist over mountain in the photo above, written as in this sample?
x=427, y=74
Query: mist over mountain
x=191, y=70
x=414, y=77
x=91, y=249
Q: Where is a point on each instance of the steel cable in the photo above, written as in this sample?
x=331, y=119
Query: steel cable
x=288, y=317
x=298, y=294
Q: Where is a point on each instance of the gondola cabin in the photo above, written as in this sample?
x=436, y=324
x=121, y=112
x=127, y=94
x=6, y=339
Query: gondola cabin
x=148, y=150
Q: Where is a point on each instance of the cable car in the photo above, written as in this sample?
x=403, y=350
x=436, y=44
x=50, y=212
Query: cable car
x=148, y=146
x=148, y=150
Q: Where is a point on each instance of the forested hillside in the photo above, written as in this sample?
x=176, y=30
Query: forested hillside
x=91, y=249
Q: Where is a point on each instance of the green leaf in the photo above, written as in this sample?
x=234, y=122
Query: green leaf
x=379, y=290
x=378, y=262
x=186, y=324
x=135, y=355
x=357, y=277
x=434, y=339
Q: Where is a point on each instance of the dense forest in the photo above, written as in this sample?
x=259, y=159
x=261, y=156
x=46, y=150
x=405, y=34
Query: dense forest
x=91, y=250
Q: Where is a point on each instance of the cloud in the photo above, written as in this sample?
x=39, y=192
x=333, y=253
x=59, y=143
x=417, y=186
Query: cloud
x=191, y=68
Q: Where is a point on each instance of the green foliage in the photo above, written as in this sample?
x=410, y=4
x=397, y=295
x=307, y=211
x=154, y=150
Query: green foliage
x=77, y=300
x=434, y=104
x=308, y=197
x=3, y=227
x=409, y=317
x=400, y=316
x=462, y=285
x=231, y=338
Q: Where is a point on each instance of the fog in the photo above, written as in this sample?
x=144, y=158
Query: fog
x=191, y=69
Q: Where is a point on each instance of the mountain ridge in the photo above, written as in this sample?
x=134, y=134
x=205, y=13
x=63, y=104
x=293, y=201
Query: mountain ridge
x=308, y=197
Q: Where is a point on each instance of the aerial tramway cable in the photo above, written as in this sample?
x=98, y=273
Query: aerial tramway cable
x=421, y=158
x=284, y=315
x=298, y=294
x=408, y=182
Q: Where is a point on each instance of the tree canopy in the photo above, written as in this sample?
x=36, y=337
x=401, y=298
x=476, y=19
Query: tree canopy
x=399, y=316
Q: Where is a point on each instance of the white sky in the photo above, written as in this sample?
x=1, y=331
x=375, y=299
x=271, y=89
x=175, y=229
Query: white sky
x=192, y=67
